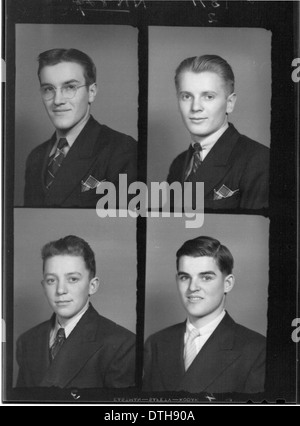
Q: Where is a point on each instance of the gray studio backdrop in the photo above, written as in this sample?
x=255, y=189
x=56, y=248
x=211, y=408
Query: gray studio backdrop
x=114, y=51
x=247, y=237
x=248, y=51
x=114, y=243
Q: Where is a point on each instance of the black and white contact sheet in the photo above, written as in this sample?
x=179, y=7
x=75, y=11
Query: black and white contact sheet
x=135, y=121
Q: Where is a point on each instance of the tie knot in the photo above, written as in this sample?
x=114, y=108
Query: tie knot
x=197, y=147
x=194, y=333
x=62, y=143
x=61, y=334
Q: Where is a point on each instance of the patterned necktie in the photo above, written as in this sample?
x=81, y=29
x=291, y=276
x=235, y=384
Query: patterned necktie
x=56, y=162
x=191, y=348
x=196, y=161
x=58, y=342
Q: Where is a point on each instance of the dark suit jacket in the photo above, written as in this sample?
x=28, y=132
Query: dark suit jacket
x=235, y=161
x=232, y=360
x=97, y=354
x=98, y=151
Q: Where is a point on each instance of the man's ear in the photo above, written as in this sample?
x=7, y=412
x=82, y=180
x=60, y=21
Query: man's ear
x=94, y=286
x=92, y=92
x=231, y=100
x=229, y=283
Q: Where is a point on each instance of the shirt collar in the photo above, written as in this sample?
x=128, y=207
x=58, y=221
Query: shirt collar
x=208, y=142
x=208, y=328
x=69, y=327
x=71, y=136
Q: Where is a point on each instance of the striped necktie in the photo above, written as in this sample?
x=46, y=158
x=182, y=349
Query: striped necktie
x=191, y=348
x=196, y=161
x=56, y=162
x=58, y=342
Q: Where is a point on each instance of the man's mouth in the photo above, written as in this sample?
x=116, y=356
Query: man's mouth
x=197, y=119
x=194, y=298
x=62, y=302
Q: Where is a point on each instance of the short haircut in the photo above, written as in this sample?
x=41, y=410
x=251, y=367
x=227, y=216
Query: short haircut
x=56, y=56
x=210, y=247
x=211, y=63
x=72, y=246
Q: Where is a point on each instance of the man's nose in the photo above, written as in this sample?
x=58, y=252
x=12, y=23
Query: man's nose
x=194, y=285
x=197, y=104
x=58, y=97
x=61, y=287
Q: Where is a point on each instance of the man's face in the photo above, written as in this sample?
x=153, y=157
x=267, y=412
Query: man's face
x=202, y=287
x=67, y=113
x=203, y=102
x=67, y=285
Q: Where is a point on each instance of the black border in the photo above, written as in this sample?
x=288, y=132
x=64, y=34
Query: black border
x=282, y=19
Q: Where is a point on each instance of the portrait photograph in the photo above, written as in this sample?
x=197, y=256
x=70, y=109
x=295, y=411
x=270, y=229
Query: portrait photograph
x=113, y=107
x=209, y=281
x=113, y=242
x=211, y=88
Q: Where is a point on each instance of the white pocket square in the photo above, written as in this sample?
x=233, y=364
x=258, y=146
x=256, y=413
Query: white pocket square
x=90, y=183
x=224, y=192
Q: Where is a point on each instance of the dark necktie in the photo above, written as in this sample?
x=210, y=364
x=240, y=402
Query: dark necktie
x=56, y=162
x=196, y=161
x=58, y=342
x=196, y=157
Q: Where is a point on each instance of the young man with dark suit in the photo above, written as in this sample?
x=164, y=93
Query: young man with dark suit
x=77, y=347
x=234, y=168
x=209, y=352
x=66, y=170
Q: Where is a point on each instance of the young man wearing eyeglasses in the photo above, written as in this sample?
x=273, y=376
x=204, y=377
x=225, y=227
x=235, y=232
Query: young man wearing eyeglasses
x=66, y=170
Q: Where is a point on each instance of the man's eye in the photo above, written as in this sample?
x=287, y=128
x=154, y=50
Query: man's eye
x=183, y=278
x=50, y=281
x=209, y=97
x=48, y=89
x=73, y=280
x=207, y=277
x=70, y=87
x=185, y=97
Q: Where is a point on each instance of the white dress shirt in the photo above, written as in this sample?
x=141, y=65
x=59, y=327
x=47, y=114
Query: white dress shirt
x=205, y=332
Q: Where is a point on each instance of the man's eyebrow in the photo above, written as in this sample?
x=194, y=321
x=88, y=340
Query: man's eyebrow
x=63, y=84
x=73, y=273
x=206, y=92
x=182, y=273
x=207, y=273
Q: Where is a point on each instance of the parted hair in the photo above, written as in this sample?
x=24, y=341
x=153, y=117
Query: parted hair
x=73, y=246
x=211, y=63
x=210, y=247
x=56, y=56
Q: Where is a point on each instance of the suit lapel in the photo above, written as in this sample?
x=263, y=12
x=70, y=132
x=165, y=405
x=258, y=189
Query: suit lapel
x=216, y=164
x=45, y=160
x=79, y=160
x=187, y=160
x=38, y=352
x=214, y=358
x=76, y=351
x=171, y=357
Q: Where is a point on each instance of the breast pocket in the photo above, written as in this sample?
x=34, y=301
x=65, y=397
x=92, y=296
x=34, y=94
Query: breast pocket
x=232, y=202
